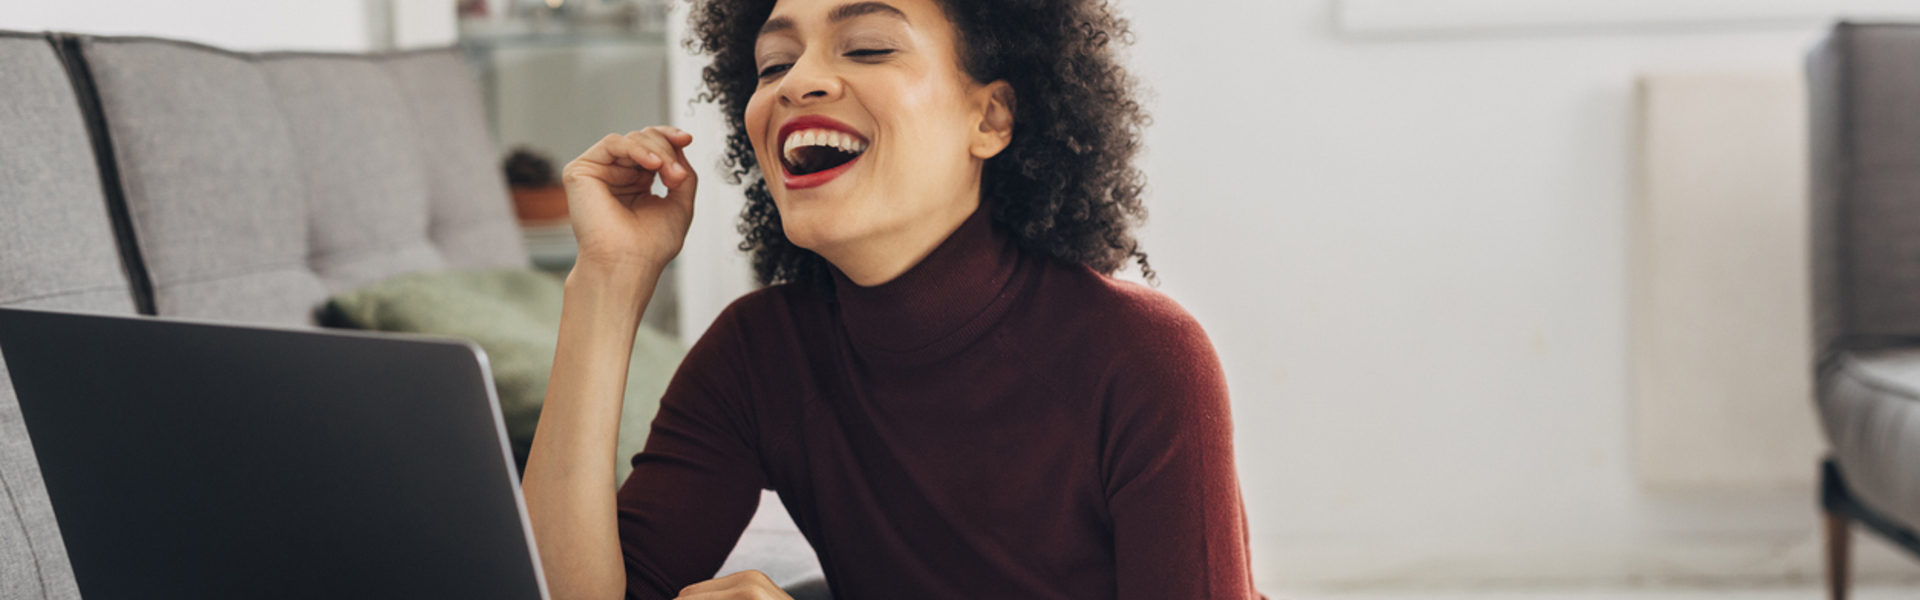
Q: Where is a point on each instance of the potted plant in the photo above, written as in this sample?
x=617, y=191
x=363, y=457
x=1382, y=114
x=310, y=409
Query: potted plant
x=538, y=197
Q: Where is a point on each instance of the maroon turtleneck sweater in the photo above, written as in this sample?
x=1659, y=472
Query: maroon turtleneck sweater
x=990, y=424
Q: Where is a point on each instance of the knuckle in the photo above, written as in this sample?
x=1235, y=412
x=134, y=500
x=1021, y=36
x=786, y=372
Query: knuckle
x=574, y=170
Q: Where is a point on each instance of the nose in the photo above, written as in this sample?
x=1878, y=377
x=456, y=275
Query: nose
x=809, y=82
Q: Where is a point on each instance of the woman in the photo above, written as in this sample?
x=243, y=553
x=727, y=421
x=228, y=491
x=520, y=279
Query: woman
x=948, y=392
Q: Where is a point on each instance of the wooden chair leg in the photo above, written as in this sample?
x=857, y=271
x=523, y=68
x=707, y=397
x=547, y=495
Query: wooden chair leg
x=1838, y=540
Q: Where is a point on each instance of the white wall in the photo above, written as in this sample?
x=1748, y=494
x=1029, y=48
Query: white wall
x=341, y=25
x=1412, y=253
x=1413, y=256
x=712, y=273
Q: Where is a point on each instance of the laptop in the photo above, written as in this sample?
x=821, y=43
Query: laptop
x=214, y=461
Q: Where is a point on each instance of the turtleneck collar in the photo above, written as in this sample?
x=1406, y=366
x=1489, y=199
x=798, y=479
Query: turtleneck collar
x=938, y=306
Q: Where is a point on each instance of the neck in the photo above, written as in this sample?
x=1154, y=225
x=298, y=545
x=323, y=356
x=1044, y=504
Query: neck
x=940, y=304
x=882, y=258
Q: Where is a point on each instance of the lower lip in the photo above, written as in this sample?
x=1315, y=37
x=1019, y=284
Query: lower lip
x=812, y=180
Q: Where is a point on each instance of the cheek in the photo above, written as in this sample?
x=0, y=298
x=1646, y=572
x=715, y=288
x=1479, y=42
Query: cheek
x=759, y=109
x=925, y=114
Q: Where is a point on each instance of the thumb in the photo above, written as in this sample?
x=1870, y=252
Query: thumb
x=680, y=186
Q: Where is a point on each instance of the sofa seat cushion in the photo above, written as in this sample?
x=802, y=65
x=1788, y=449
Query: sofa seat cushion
x=259, y=184
x=1870, y=406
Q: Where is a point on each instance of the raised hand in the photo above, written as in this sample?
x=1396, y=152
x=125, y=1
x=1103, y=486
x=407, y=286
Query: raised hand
x=617, y=219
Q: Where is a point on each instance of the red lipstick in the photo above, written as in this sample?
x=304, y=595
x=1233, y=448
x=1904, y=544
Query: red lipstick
x=816, y=179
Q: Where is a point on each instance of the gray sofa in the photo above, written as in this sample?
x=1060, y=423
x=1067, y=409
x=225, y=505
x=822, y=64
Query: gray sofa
x=158, y=177
x=216, y=185
x=1864, y=82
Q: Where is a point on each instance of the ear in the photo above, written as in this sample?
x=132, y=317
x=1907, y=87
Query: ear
x=995, y=130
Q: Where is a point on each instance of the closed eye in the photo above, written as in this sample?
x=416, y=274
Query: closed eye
x=873, y=53
x=772, y=70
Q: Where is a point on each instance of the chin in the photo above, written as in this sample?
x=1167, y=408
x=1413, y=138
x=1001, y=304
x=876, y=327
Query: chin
x=802, y=236
x=810, y=229
x=822, y=220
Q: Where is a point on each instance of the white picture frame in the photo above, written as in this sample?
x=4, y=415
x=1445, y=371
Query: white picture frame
x=1509, y=16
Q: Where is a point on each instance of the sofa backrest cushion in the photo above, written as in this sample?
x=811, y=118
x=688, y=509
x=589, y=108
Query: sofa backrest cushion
x=1865, y=96
x=212, y=181
x=472, y=218
x=355, y=151
x=57, y=251
x=258, y=184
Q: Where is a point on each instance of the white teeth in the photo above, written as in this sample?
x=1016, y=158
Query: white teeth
x=822, y=137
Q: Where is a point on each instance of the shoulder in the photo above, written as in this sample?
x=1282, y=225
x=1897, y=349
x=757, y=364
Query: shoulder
x=1161, y=389
x=771, y=311
x=758, y=330
x=1131, y=346
x=779, y=303
x=1138, y=322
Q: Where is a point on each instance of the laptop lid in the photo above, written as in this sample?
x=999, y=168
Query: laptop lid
x=213, y=461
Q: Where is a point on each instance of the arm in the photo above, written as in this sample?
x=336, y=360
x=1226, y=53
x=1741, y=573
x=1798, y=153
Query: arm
x=697, y=483
x=627, y=234
x=1179, y=527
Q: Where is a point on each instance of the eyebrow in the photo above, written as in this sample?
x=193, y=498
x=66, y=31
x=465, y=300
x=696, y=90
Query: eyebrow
x=839, y=13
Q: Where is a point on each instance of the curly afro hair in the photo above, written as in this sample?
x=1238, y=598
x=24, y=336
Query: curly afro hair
x=1065, y=187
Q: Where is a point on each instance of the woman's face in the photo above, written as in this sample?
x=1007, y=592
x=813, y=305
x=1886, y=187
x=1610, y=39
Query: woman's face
x=869, y=133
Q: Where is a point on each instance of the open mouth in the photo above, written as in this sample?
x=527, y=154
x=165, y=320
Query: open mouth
x=814, y=150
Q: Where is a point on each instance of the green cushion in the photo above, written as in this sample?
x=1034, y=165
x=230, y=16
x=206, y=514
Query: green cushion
x=514, y=314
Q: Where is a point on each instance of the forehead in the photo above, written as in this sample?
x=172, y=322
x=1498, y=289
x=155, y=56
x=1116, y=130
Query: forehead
x=792, y=15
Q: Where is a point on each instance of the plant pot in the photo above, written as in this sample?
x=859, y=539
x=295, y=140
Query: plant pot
x=545, y=203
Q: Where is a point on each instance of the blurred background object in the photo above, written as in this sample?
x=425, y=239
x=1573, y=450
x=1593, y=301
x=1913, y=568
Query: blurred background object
x=1721, y=339
x=557, y=76
x=537, y=193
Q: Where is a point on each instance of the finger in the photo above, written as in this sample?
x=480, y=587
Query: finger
x=637, y=181
x=644, y=155
x=620, y=172
x=678, y=169
x=610, y=150
x=747, y=579
x=667, y=155
x=639, y=160
x=712, y=585
x=681, y=189
x=620, y=150
x=682, y=170
x=678, y=172
x=739, y=594
x=673, y=134
x=655, y=141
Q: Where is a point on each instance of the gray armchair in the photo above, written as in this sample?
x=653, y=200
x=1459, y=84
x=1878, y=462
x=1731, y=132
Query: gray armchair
x=1864, y=82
